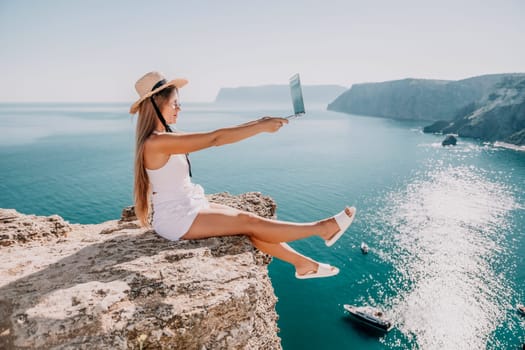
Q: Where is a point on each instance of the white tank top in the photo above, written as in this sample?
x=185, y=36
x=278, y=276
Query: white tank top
x=171, y=182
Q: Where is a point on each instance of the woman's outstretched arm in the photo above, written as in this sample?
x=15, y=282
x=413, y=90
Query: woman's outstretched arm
x=173, y=143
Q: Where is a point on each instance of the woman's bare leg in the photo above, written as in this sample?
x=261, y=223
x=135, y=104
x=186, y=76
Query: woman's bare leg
x=226, y=221
x=303, y=264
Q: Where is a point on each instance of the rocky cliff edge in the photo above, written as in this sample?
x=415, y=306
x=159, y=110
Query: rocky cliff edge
x=117, y=286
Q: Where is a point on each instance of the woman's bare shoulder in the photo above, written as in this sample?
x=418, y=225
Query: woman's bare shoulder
x=151, y=141
x=154, y=157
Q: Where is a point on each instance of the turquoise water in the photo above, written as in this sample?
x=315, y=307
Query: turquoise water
x=445, y=226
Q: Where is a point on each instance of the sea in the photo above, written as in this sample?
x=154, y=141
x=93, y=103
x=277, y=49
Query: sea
x=445, y=225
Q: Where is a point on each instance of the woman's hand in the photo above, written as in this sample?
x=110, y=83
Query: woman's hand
x=272, y=124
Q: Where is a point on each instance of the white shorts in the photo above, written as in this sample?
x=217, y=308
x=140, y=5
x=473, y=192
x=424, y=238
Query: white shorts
x=172, y=219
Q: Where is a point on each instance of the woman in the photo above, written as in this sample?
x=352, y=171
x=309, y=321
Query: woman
x=180, y=208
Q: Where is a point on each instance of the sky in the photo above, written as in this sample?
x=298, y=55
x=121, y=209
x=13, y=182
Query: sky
x=94, y=51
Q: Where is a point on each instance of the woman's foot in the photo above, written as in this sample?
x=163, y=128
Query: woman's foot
x=337, y=225
x=308, y=266
x=312, y=269
x=330, y=226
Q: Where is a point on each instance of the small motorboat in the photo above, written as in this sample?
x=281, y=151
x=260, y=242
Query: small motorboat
x=521, y=309
x=369, y=316
x=364, y=248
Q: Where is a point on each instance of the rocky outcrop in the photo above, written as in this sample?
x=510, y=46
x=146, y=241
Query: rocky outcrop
x=499, y=116
x=16, y=228
x=450, y=140
x=517, y=138
x=437, y=127
x=416, y=99
x=117, y=286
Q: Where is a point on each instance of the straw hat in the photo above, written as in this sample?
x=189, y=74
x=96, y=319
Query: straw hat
x=150, y=84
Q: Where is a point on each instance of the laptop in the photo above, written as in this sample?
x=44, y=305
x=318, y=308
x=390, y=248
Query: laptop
x=297, y=97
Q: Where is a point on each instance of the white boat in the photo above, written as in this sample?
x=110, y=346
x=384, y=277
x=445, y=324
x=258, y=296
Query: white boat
x=521, y=309
x=364, y=248
x=369, y=316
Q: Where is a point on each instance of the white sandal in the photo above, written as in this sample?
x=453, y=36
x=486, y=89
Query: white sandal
x=343, y=221
x=323, y=270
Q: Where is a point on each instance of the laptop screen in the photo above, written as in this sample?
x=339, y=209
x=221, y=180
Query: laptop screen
x=297, y=95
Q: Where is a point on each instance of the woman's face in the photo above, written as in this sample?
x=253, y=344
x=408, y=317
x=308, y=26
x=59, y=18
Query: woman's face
x=172, y=108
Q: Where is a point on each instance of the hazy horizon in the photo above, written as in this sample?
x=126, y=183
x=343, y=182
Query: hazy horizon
x=61, y=51
x=238, y=87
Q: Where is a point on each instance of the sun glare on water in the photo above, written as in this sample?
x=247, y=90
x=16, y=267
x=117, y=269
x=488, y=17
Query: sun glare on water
x=447, y=230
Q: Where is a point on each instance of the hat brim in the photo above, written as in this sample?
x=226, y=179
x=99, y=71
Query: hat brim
x=178, y=83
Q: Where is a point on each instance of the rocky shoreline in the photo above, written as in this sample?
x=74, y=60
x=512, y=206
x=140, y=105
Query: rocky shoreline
x=116, y=285
x=489, y=107
x=499, y=117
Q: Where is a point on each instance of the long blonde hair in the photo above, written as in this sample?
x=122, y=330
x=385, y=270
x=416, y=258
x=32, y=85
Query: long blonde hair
x=146, y=124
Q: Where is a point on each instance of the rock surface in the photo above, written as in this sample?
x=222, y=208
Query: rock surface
x=117, y=286
x=17, y=228
x=450, y=140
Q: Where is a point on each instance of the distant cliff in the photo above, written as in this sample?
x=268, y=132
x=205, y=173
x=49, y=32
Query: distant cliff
x=499, y=116
x=278, y=94
x=118, y=286
x=416, y=99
